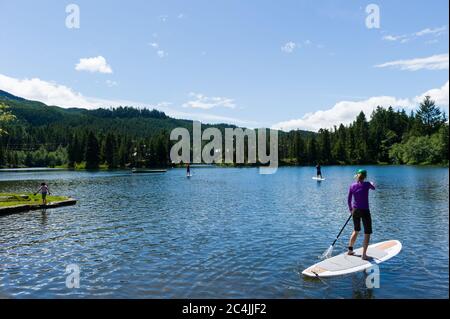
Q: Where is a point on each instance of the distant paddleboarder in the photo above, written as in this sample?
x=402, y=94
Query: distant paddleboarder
x=188, y=170
x=358, y=204
x=44, y=191
x=319, y=171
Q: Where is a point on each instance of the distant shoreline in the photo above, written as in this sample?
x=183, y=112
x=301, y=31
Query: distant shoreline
x=201, y=166
x=30, y=169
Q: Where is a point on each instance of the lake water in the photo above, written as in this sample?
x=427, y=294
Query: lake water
x=224, y=233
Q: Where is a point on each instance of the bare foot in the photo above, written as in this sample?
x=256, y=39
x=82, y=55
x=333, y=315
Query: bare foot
x=365, y=257
x=350, y=253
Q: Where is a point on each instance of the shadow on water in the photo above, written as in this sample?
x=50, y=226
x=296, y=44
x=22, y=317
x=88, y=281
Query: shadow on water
x=360, y=289
x=334, y=286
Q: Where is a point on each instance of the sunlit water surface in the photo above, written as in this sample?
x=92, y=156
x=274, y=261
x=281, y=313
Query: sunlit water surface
x=224, y=233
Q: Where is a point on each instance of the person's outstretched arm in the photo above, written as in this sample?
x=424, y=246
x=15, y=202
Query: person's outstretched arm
x=372, y=185
x=38, y=190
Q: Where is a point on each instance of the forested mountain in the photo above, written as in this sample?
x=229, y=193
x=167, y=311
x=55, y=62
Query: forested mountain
x=7, y=96
x=33, y=134
x=43, y=135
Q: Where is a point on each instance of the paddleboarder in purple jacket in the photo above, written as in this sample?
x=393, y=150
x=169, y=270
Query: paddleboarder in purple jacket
x=358, y=204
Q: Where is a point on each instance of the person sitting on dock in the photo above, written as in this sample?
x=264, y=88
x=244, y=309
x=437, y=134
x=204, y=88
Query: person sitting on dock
x=43, y=190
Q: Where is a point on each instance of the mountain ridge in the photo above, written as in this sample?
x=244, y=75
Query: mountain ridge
x=37, y=114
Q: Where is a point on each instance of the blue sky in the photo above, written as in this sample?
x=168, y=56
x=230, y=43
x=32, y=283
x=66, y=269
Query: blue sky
x=284, y=64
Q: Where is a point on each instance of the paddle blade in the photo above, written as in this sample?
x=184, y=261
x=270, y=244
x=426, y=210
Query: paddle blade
x=328, y=253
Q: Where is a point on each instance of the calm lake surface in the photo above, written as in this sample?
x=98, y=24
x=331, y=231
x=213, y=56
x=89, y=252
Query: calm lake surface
x=224, y=233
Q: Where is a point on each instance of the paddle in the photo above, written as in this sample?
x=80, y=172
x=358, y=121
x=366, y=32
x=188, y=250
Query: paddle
x=329, y=251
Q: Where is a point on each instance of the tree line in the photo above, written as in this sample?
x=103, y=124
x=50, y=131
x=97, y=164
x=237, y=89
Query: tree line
x=388, y=137
x=127, y=137
x=116, y=151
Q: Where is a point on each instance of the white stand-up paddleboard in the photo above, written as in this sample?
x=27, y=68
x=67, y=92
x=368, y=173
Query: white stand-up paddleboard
x=318, y=179
x=344, y=264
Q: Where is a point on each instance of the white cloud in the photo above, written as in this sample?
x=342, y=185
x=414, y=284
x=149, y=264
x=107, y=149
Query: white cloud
x=404, y=38
x=435, y=62
x=111, y=83
x=289, y=47
x=392, y=37
x=93, y=65
x=345, y=112
x=434, y=31
x=49, y=93
x=163, y=18
x=161, y=53
x=204, y=102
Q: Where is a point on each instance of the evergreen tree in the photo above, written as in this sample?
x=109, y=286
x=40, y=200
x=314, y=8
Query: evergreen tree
x=444, y=139
x=339, y=145
x=299, y=149
x=312, y=151
x=80, y=148
x=92, y=152
x=110, y=151
x=124, y=152
x=161, y=151
x=429, y=116
x=2, y=154
x=361, y=128
x=351, y=145
x=72, y=151
x=325, y=146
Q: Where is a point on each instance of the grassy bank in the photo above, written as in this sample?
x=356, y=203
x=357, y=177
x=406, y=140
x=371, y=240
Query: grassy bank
x=82, y=167
x=12, y=200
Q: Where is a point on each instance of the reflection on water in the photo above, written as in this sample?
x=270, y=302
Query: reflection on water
x=44, y=217
x=223, y=233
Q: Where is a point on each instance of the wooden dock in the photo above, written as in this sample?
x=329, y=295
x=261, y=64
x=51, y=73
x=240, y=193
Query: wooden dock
x=25, y=208
x=148, y=171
